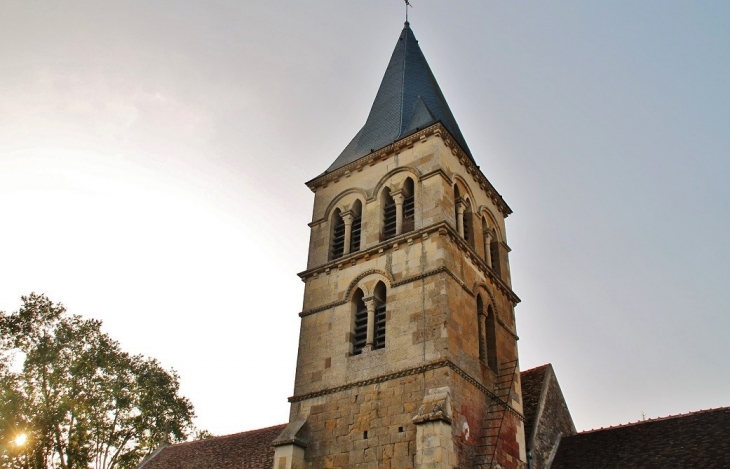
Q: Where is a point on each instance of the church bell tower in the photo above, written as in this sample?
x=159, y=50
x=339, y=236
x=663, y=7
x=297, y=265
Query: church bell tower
x=408, y=347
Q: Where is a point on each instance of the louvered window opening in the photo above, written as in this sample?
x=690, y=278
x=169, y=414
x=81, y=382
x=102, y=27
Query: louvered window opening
x=355, y=235
x=379, y=339
x=492, y=342
x=389, y=221
x=409, y=214
x=361, y=331
x=338, y=241
x=482, y=338
x=495, y=258
x=467, y=226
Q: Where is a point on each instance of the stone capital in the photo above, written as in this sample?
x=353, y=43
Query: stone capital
x=347, y=217
x=436, y=407
x=398, y=197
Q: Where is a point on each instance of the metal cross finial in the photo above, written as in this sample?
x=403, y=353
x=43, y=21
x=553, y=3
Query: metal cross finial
x=408, y=4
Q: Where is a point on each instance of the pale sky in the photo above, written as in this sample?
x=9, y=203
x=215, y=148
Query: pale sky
x=153, y=158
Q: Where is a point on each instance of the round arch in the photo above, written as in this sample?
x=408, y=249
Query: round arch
x=486, y=293
x=491, y=221
x=359, y=282
x=464, y=189
x=383, y=181
x=334, y=203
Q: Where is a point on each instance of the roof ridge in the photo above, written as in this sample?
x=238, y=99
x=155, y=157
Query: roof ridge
x=536, y=368
x=406, y=28
x=221, y=437
x=655, y=419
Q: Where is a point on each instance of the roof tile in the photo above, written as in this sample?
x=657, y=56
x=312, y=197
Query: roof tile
x=532, y=383
x=250, y=450
x=698, y=439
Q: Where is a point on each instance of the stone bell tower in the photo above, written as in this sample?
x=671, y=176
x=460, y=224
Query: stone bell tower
x=408, y=348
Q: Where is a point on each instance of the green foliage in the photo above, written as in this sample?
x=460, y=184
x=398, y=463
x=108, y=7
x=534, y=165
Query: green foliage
x=80, y=399
x=202, y=434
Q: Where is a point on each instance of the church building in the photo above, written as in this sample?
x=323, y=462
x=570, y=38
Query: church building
x=408, y=354
x=408, y=348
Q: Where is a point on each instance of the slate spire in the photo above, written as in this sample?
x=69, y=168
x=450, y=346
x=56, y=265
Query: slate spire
x=409, y=99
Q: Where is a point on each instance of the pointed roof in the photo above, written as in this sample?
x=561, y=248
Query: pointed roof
x=409, y=99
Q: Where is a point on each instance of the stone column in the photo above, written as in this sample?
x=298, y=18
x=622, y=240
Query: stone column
x=347, y=220
x=488, y=247
x=289, y=446
x=398, y=198
x=289, y=456
x=370, y=305
x=434, y=439
x=460, y=208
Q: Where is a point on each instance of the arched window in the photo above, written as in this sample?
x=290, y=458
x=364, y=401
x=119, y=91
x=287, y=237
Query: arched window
x=369, y=318
x=482, y=328
x=337, y=245
x=355, y=236
x=409, y=206
x=360, y=323
x=379, y=326
x=457, y=201
x=468, y=228
x=388, y=211
x=492, y=361
x=494, y=250
x=487, y=238
x=462, y=211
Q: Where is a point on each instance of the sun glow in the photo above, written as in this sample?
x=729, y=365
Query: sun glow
x=21, y=439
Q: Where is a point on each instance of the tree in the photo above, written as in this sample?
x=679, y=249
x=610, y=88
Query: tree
x=81, y=401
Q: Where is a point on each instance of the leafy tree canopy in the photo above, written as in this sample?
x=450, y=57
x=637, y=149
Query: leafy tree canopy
x=70, y=397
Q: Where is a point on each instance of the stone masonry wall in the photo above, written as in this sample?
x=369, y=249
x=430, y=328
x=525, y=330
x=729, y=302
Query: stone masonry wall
x=359, y=408
x=414, y=317
x=338, y=423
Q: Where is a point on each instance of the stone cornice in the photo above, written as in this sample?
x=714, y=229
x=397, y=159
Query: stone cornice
x=466, y=289
x=434, y=365
x=443, y=228
x=353, y=257
x=373, y=197
x=388, y=151
x=415, y=278
x=480, y=263
x=404, y=281
x=436, y=172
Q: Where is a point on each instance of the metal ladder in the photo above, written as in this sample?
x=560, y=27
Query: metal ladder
x=495, y=415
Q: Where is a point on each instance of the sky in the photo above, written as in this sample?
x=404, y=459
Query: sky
x=153, y=158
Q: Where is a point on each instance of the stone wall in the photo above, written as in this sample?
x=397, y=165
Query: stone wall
x=376, y=425
x=359, y=408
x=366, y=426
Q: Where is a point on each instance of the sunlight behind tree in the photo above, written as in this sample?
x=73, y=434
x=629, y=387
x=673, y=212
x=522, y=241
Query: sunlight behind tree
x=81, y=400
x=21, y=439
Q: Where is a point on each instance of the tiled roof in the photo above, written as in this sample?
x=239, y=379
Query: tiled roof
x=695, y=440
x=532, y=383
x=250, y=450
x=409, y=99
